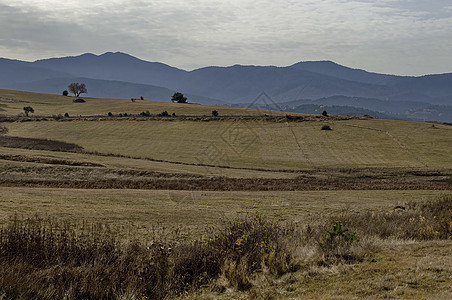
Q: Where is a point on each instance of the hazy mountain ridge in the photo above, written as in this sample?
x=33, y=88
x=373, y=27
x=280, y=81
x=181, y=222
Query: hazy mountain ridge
x=119, y=75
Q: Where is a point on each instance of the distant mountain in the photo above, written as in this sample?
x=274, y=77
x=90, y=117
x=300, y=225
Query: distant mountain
x=14, y=71
x=119, y=75
x=335, y=70
x=115, y=66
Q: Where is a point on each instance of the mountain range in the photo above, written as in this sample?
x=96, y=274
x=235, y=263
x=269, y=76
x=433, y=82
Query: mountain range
x=291, y=88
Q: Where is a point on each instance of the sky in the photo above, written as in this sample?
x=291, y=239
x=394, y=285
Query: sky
x=403, y=37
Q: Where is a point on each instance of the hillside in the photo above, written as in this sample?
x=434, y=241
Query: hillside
x=12, y=103
x=258, y=144
x=119, y=75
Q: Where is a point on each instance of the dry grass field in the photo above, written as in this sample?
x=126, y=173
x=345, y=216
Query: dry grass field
x=154, y=181
x=252, y=144
x=12, y=103
x=193, y=210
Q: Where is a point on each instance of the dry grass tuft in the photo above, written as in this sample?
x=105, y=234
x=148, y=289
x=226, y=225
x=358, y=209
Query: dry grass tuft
x=418, y=221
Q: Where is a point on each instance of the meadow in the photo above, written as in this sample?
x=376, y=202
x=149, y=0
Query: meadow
x=122, y=187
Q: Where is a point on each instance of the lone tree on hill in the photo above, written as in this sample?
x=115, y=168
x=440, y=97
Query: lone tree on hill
x=77, y=88
x=28, y=109
x=179, y=98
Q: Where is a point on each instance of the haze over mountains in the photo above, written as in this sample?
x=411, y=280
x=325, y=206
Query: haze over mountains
x=299, y=87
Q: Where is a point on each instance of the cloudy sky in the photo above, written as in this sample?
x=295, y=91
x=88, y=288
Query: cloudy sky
x=407, y=37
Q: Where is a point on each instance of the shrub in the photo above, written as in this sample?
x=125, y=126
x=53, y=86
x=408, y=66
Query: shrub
x=326, y=127
x=419, y=221
x=163, y=114
x=65, y=93
x=324, y=113
x=145, y=113
x=69, y=255
x=109, y=114
x=179, y=98
x=66, y=115
x=214, y=113
x=338, y=241
x=79, y=100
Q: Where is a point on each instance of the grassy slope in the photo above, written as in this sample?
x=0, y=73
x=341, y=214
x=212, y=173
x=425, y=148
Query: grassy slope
x=48, y=105
x=259, y=145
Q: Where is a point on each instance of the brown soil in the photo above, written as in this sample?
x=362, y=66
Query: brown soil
x=38, y=144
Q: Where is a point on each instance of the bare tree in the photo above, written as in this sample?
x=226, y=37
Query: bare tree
x=77, y=88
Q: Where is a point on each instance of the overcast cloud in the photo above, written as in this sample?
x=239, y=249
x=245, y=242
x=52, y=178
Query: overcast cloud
x=408, y=37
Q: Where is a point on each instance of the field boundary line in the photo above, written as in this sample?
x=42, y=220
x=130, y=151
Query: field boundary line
x=305, y=156
x=401, y=145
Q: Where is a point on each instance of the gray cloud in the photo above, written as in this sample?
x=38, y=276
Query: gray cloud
x=393, y=36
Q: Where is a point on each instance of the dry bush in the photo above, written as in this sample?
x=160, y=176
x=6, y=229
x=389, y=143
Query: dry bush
x=351, y=236
x=418, y=221
x=47, y=259
x=3, y=130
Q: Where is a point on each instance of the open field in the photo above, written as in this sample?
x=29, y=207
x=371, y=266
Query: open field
x=195, y=209
x=177, y=179
x=252, y=144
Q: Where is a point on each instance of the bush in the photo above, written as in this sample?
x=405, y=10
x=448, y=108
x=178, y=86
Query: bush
x=419, y=221
x=66, y=115
x=163, y=114
x=3, y=130
x=145, y=113
x=179, y=98
x=338, y=241
x=109, y=114
x=79, y=100
x=324, y=113
x=214, y=113
x=69, y=255
x=65, y=93
x=326, y=127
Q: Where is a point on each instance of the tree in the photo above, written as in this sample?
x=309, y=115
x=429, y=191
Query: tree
x=179, y=98
x=214, y=113
x=65, y=93
x=28, y=109
x=324, y=113
x=77, y=88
